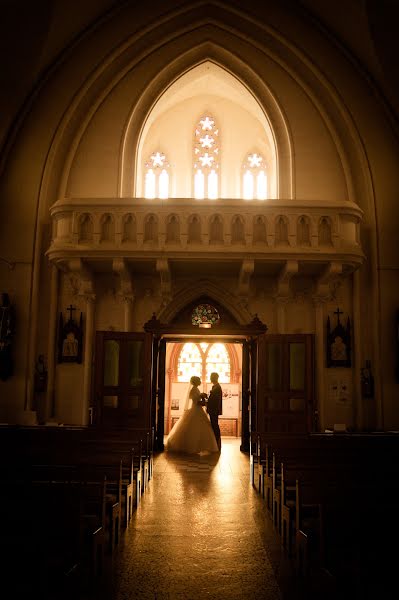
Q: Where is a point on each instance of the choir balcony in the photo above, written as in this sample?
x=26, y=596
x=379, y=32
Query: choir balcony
x=229, y=230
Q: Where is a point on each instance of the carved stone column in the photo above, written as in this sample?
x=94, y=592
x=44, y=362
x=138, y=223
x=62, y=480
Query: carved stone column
x=319, y=361
x=280, y=303
x=86, y=289
x=357, y=354
x=48, y=409
x=283, y=292
x=323, y=294
x=88, y=356
x=163, y=268
x=128, y=302
x=246, y=271
x=126, y=290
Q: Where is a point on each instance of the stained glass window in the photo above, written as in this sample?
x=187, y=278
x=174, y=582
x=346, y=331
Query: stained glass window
x=189, y=362
x=156, y=176
x=254, y=179
x=203, y=359
x=206, y=152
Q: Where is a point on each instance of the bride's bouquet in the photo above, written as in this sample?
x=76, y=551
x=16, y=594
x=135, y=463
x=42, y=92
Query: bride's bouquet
x=204, y=399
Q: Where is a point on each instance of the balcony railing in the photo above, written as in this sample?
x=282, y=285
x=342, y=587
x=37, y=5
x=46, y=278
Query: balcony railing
x=263, y=229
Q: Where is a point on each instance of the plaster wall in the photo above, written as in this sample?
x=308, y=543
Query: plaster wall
x=344, y=145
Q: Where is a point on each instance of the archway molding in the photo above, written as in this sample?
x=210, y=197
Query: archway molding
x=207, y=288
x=226, y=59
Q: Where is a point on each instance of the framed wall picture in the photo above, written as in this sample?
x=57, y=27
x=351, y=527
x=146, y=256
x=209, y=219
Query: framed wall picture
x=338, y=343
x=70, y=339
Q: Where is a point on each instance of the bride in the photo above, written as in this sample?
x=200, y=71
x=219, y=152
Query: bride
x=193, y=433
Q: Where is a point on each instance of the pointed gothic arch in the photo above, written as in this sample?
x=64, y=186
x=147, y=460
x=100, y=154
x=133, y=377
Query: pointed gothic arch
x=208, y=289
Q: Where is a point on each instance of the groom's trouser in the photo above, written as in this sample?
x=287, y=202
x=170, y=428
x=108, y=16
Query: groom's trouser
x=215, y=426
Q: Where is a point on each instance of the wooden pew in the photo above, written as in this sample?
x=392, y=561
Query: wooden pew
x=57, y=527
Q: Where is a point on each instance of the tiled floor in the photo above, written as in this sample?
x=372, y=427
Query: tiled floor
x=201, y=532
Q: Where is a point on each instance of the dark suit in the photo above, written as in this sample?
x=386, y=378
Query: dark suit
x=214, y=409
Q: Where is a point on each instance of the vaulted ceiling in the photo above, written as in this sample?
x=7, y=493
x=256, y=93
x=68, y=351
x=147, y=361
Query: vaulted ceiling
x=34, y=36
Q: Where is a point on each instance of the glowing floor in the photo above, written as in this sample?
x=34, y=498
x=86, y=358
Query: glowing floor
x=201, y=531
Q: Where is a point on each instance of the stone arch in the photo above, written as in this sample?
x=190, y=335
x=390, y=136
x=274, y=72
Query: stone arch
x=237, y=230
x=281, y=230
x=151, y=229
x=194, y=229
x=85, y=229
x=325, y=231
x=226, y=59
x=173, y=229
x=216, y=229
x=207, y=288
x=107, y=225
x=259, y=233
x=75, y=116
x=129, y=228
x=215, y=41
x=303, y=231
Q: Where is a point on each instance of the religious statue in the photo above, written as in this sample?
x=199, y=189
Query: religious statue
x=6, y=334
x=40, y=374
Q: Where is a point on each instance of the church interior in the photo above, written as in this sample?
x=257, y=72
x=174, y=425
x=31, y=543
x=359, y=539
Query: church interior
x=191, y=187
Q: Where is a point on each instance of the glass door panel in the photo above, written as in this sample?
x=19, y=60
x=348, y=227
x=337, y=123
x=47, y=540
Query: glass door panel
x=297, y=365
x=274, y=366
x=135, y=363
x=111, y=363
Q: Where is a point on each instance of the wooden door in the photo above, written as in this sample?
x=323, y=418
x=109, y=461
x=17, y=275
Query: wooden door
x=122, y=395
x=246, y=397
x=158, y=377
x=285, y=383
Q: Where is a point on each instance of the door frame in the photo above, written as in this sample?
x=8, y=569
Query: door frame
x=233, y=333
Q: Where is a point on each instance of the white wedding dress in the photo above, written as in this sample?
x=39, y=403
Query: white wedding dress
x=193, y=433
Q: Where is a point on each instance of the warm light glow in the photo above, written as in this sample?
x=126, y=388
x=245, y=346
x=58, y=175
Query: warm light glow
x=199, y=185
x=248, y=185
x=158, y=159
x=164, y=184
x=156, y=178
x=206, y=159
x=207, y=123
x=205, y=325
x=149, y=184
x=254, y=160
x=189, y=362
x=212, y=185
x=261, y=186
x=207, y=141
x=203, y=359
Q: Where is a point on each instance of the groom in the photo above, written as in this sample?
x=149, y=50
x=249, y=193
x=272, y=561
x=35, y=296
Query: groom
x=214, y=406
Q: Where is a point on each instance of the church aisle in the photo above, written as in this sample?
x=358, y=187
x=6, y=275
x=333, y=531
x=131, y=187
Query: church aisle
x=200, y=532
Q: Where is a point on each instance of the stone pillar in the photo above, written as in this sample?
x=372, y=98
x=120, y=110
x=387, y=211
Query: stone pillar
x=88, y=356
x=49, y=408
x=281, y=303
x=128, y=302
x=358, y=416
x=33, y=320
x=319, y=363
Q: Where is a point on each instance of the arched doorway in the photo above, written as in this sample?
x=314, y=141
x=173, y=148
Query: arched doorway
x=187, y=358
x=224, y=347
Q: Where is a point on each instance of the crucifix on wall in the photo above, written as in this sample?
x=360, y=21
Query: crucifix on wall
x=70, y=338
x=338, y=342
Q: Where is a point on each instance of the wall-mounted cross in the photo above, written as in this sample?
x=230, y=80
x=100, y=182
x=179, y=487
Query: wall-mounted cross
x=70, y=308
x=338, y=312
